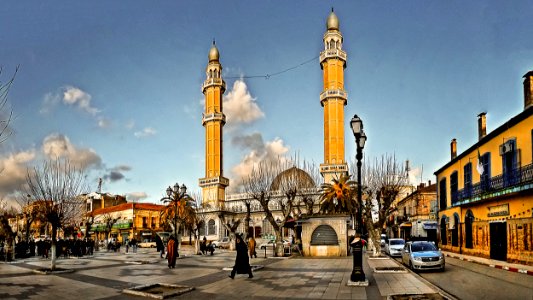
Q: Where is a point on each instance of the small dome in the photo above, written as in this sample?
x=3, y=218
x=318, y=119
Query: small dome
x=213, y=53
x=293, y=174
x=333, y=21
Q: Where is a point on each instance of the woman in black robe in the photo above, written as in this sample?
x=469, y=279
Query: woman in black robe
x=242, y=262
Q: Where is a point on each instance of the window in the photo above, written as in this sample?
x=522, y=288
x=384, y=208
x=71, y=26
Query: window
x=442, y=194
x=467, y=177
x=485, y=177
x=153, y=222
x=144, y=222
x=211, y=227
x=509, y=163
x=454, y=187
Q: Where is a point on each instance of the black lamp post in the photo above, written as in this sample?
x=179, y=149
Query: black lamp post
x=174, y=196
x=360, y=138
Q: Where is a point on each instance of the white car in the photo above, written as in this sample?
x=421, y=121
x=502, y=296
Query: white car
x=393, y=247
x=147, y=244
x=222, y=243
x=271, y=243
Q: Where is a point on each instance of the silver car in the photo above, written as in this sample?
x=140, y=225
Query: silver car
x=422, y=256
x=393, y=247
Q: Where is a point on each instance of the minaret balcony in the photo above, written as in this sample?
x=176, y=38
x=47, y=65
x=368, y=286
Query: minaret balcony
x=220, y=117
x=332, y=53
x=333, y=168
x=213, y=82
x=213, y=181
x=337, y=94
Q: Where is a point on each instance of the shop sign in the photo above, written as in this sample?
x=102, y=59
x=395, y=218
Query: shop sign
x=498, y=210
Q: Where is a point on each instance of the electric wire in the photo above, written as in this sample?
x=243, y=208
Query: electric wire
x=268, y=76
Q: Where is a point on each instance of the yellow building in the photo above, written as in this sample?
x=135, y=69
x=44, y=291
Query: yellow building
x=485, y=194
x=333, y=98
x=214, y=183
x=127, y=221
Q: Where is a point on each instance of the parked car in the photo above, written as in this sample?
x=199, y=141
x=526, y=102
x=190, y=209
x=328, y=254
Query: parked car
x=271, y=243
x=383, y=240
x=147, y=244
x=222, y=243
x=393, y=247
x=422, y=256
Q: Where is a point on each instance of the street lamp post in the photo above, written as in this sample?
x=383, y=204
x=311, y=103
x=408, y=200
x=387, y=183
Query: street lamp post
x=358, y=274
x=174, y=196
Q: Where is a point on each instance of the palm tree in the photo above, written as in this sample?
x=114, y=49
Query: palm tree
x=338, y=197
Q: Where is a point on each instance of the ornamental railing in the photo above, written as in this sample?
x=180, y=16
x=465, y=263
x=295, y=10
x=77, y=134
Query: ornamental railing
x=514, y=180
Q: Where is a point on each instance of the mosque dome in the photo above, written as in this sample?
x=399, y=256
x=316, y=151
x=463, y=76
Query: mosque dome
x=213, y=53
x=304, y=180
x=333, y=21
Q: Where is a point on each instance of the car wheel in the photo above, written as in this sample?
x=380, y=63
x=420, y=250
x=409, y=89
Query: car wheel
x=443, y=268
x=411, y=266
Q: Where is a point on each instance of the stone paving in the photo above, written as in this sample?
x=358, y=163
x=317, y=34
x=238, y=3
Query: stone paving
x=106, y=274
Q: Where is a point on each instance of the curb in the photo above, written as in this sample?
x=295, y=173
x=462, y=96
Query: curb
x=501, y=267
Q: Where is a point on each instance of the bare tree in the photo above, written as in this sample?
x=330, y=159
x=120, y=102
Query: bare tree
x=196, y=219
x=6, y=113
x=307, y=193
x=55, y=186
x=276, y=190
x=231, y=224
x=109, y=220
x=383, y=180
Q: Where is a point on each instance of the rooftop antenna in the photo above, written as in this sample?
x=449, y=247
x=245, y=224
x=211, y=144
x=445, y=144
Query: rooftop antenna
x=99, y=190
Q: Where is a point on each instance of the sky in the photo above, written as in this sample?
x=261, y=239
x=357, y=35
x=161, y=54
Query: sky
x=115, y=86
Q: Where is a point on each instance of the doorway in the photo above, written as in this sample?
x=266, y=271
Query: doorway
x=498, y=241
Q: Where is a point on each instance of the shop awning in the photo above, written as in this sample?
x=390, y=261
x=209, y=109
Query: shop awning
x=406, y=224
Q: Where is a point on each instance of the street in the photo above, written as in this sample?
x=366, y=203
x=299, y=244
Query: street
x=468, y=280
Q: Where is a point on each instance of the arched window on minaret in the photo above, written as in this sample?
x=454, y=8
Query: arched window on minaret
x=210, y=73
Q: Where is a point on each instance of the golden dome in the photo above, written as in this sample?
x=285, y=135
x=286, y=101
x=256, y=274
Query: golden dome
x=293, y=174
x=213, y=53
x=333, y=21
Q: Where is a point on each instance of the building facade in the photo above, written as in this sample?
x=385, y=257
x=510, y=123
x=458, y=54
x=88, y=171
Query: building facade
x=415, y=215
x=333, y=99
x=485, y=194
x=126, y=221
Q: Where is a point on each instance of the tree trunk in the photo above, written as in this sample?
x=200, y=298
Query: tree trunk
x=375, y=241
x=279, y=243
x=53, y=248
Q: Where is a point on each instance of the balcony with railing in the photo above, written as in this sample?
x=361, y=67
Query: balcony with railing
x=516, y=180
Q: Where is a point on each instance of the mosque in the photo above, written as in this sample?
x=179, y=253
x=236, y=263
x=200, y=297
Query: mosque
x=333, y=98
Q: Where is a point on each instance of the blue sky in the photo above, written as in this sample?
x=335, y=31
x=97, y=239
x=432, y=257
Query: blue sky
x=116, y=84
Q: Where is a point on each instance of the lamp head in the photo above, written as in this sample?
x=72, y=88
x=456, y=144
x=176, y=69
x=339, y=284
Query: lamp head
x=176, y=187
x=357, y=125
x=169, y=191
x=183, y=189
x=362, y=140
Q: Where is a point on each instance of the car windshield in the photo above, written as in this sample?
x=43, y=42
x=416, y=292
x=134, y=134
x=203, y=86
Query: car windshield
x=419, y=247
x=396, y=242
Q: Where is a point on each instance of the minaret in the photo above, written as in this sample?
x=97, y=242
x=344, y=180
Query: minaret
x=333, y=98
x=213, y=119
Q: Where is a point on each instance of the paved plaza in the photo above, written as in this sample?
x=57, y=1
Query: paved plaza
x=106, y=274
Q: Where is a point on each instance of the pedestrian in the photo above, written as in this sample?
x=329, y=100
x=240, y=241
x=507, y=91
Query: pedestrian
x=172, y=252
x=242, y=262
x=203, y=245
x=251, y=247
x=159, y=245
x=134, y=245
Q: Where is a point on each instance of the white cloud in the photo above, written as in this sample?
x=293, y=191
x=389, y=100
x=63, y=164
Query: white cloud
x=75, y=96
x=13, y=171
x=50, y=100
x=104, y=123
x=258, y=151
x=57, y=145
x=136, y=196
x=146, y=132
x=239, y=105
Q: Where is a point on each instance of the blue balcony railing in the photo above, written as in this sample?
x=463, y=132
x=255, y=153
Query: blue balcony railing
x=512, y=181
